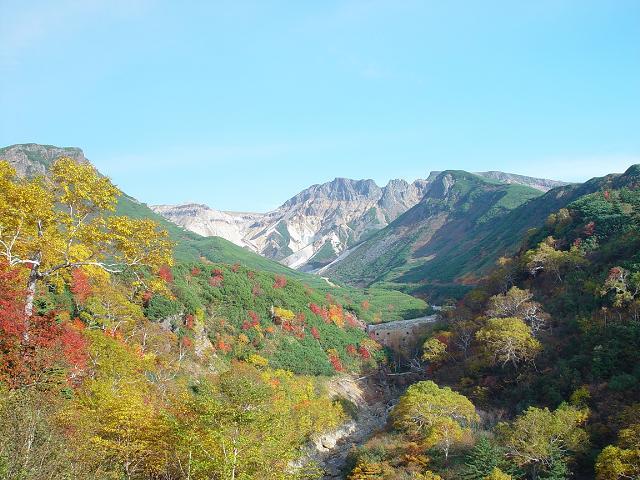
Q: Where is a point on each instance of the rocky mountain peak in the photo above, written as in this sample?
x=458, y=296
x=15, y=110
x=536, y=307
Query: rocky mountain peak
x=347, y=190
x=32, y=159
x=339, y=189
x=442, y=183
x=541, y=184
x=398, y=196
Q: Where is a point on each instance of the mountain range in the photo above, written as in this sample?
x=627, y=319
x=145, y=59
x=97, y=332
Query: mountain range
x=312, y=228
x=433, y=237
x=318, y=225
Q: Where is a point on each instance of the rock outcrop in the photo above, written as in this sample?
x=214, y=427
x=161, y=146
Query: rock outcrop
x=32, y=159
x=208, y=222
x=312, y=228
x=542, y=184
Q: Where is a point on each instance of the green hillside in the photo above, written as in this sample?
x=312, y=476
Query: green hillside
x=472, y=255
x=437, y=247
x=381, y=304
x=192, y=247
x=570, y=300
x=446, y=244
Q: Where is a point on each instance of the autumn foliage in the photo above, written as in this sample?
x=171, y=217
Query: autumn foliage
x=135, y=367
x=29, y=349
x=165, y=273
x=280, y=281
x=80, y=285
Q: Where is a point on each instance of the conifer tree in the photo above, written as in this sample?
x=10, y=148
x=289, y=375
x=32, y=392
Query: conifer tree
x=482, y=459
x=557, y=469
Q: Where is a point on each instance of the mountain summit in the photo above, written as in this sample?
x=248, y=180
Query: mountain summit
x=31, y=159
x=315, y=227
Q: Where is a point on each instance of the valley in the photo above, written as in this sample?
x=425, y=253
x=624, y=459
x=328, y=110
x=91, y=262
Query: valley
x=304, y=343
x=331, y=240
x=350, y=230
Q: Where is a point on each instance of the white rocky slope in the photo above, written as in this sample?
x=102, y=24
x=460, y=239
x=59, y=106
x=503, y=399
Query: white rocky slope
x=316, y=226
x=208, y=222
x=312, y=228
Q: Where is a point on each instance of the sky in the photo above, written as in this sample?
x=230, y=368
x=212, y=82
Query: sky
x=242, y=104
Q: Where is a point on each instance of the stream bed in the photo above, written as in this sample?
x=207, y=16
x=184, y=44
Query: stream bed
x=373, y=400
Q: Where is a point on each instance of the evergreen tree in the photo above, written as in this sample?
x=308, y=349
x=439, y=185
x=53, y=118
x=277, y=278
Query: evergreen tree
x=557, y=470
x=481, y=460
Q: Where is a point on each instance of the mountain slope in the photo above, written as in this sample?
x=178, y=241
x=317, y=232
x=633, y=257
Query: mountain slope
x=208, y=222
x=422, y=247
x=34, y=159
x=435, y=254
x=312, y=228
x=315, y=226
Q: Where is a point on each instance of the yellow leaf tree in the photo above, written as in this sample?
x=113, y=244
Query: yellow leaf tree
x=538, y=437
x=66, y=221
x=438, y=416
x=433, y=350
x=622, y=460
x=508, y=340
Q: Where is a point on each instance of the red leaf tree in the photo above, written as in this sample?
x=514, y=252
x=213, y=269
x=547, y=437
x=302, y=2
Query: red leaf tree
x=280, y=281
x=27, y=355
x=80, y=285
x=165, y=274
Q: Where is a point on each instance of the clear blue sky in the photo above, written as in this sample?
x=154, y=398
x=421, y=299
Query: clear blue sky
x=242, y=104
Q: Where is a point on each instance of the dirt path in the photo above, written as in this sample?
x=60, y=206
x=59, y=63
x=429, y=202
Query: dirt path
x=329, y=282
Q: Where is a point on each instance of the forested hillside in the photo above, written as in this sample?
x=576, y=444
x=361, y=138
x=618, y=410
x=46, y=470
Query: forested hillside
x=542, y=359
x=449, y=241
x=116, y=362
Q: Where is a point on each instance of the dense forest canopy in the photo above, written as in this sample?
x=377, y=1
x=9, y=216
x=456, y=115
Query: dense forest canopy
x=120, y=359
x=547, y=348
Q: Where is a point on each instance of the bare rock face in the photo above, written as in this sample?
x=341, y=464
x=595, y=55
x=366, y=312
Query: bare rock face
x=312, y=228
x=32, y=159
x=208, y=222
x=542, y=184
